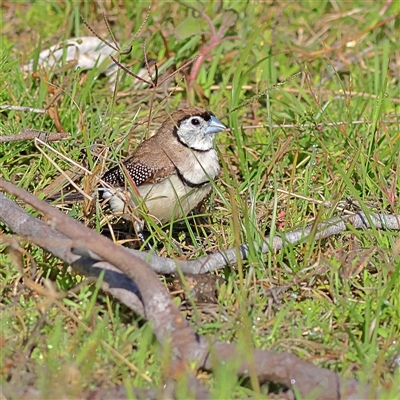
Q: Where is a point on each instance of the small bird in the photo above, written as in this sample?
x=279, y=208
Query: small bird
x=170, y=172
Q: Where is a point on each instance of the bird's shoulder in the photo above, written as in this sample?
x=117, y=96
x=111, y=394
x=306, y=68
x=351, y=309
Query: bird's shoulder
x=149, y=163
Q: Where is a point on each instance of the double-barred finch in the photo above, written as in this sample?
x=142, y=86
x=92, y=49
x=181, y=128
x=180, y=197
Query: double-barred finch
x=171, y=171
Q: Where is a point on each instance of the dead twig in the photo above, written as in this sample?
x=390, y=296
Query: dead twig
x=263, y=93
x=30, y=134
x=25, y=109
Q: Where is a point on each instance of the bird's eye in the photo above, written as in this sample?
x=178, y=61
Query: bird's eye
x=195, y=121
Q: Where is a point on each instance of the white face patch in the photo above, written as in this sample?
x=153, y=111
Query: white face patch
x=193, y=132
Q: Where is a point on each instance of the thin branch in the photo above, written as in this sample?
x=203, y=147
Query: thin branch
x=179, y=69
x=228, y=257
x=30, y=134
x=263, y=93
x=146, y=63
x=130, y=72
x=320, y=92
x=25, y=109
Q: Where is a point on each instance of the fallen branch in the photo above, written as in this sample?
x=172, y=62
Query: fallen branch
x=225, y=258
x=44, y=236
x=90, y=262
x=115, y=393
x=169, y=326
x=288, y=370
x=291, y=372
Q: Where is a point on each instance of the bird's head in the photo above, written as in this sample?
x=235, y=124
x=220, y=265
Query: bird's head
x=196, y=128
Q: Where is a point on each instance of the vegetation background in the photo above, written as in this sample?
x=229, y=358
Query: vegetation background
x=324, y=143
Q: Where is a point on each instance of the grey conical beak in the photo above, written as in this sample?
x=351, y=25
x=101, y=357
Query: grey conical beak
x=215, y=125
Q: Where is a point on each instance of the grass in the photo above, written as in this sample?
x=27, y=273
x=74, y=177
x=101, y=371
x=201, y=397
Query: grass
x=341, y=309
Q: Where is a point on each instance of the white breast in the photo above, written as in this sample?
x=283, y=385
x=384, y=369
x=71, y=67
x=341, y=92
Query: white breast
x=200, y=167
x=165, y=201
x=173, y=197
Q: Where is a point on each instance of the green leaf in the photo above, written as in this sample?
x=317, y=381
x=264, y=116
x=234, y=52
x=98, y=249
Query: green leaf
x=189, y=27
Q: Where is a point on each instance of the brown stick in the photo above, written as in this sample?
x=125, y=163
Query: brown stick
x=22, y=108
x=29, y=134
x=291, y=372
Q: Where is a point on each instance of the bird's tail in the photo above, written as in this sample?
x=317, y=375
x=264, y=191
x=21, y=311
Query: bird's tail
x=66, y=198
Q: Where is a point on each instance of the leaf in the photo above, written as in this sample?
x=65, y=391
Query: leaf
x=189, y=27
x=229, y=18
